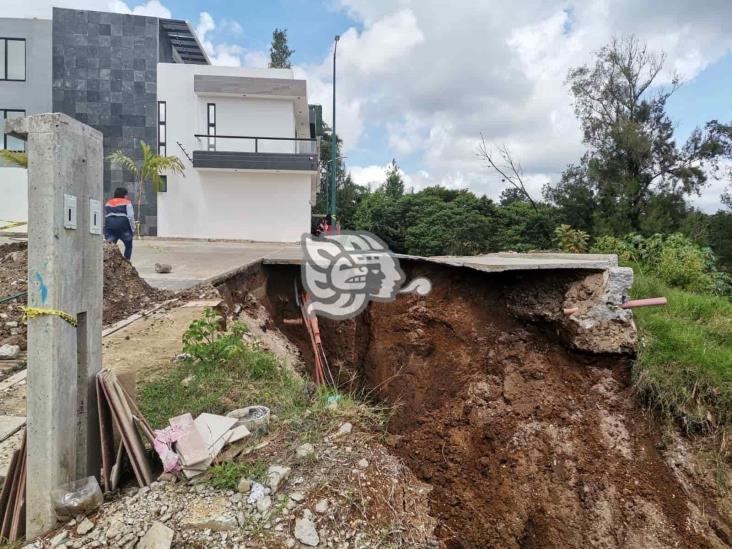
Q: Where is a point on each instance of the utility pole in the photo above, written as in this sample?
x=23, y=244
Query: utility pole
x=333, y=140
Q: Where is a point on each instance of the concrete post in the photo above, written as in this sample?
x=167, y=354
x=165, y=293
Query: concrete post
x=65, y=266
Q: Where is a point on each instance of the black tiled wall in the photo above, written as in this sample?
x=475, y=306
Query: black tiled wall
x=105, y=75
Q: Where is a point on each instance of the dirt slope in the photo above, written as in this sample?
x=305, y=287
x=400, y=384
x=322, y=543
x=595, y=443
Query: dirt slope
x=125, y=293
x=524, y=443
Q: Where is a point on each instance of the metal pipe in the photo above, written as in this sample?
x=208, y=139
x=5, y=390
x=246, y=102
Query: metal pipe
x=333, y=140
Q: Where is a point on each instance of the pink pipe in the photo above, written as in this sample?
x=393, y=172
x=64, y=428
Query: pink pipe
x=650, y=302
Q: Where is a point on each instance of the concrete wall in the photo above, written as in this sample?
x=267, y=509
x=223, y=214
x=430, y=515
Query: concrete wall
x=105, y=75
x=33, y=95
x=14, y=193
x=253, y=205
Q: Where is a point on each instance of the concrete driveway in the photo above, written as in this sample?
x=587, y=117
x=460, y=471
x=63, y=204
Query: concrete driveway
x=196, y=261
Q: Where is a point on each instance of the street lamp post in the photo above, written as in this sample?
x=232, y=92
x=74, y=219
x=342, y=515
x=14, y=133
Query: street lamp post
x=333, y=140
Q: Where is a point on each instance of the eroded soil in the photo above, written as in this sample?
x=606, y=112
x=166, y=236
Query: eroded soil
x=524, y=443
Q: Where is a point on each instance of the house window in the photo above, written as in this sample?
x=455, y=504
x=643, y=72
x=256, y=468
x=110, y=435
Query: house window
x=9, y=142
x=211, y=125
x=12, y=59
x=163, y=187
x=162, y=129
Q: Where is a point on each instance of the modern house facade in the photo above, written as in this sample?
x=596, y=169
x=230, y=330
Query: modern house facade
x=244, y=136
x=114, y=71
x=25, y=88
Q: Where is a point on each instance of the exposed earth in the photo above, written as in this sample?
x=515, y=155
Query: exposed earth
x=524, y=443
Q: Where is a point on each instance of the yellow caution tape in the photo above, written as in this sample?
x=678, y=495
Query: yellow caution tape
x=13, y=224
x=30, y=312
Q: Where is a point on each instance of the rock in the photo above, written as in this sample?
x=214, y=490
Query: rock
x=276, y=475
x=186, y=381
x=363, y=463
x=264, y=504
x=209, y=514
x=322, y=506
x=59, y=538
x=245, y=486
x=306, y=533
x=163, y=268
x=158, y=536
x=343, y=430
x=11, y=324
x=305, y=450
x=297, y=496
x=85, y=527
x=236, y=498
x=9, y=352
x=290, y=543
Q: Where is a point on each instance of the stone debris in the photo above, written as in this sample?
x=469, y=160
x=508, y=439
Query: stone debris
x=305, y=451
x=306, y=533
x=276, y=475
x=264, y=504
x=244, y=486
x=322, y=506
x=163, y=268
x=9, y=352
x=343, y=430
x=158, y=536
x=363, y=463
x=297, y=496
x=85, y=526
x=59, y=538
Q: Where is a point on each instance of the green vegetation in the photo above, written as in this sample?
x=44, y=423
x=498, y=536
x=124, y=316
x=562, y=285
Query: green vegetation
x=684, y=365
x=149, y=168
x=571, y=240
x=223, y=373
x=279, y=51
x=226, y=476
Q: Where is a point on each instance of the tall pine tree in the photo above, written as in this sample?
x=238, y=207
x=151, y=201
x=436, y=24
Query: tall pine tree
x=279, y=52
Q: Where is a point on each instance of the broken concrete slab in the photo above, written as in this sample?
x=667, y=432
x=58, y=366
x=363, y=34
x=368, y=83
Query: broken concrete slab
x=191, y=447
x=211, y=515
x=214, y=430
x=276, y=475
x=158, y=536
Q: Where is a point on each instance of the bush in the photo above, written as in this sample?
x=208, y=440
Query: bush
x=571, y=240
x=207, y=344
x=674, y=259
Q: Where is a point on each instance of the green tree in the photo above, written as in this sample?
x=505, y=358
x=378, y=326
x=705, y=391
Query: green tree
x=394, y=185
x=632, y=157
x=148, y=169
x=279, y=52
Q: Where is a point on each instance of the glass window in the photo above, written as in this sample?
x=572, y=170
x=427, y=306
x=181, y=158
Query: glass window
x=211, y=126
x=2, y=59
x=15, y=56
x=12, y=143
x=162, y=129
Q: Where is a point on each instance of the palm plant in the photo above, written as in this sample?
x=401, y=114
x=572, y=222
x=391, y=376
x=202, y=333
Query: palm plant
x=149, y=169
x=15, y=157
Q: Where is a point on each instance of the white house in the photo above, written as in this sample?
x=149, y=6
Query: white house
x=251, y=162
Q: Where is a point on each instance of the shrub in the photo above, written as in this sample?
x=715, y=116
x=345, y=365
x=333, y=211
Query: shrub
x=571, y=240
x=207, y=344
x=674, y=259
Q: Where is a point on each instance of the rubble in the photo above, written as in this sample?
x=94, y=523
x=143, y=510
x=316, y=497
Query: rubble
x=9, y=352
x=158, y=536
x=306, y=533
x=305, y=451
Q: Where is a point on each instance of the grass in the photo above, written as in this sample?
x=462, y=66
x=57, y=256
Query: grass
x=684, y=365
x=248, y=376
x=226, y=476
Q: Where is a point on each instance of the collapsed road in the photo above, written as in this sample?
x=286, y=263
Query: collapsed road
x=520, y=417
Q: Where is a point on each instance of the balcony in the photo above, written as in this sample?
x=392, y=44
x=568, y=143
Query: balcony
x=239, y=152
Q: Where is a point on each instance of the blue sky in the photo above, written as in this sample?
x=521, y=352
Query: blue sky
x=420, y=83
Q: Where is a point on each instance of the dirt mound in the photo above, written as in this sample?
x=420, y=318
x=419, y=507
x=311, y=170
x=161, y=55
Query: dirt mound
x=525, y=443
x=125, y=293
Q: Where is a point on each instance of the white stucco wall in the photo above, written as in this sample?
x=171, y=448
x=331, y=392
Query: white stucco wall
x=14, y=194
x=206, y=203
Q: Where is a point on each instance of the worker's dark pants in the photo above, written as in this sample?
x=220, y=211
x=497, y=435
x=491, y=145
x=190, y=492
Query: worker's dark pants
x=117, y=228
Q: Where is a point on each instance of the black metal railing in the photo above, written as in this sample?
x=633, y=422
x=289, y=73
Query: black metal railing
x=257, y=144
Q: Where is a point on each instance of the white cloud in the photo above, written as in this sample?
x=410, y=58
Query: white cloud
x=152, y=8
x=432, y=79
x=43, y=8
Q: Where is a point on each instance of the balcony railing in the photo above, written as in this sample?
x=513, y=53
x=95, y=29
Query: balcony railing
x=255, y=144
x=241, y=152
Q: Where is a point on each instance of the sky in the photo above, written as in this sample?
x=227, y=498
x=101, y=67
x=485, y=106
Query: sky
x=420, y=80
